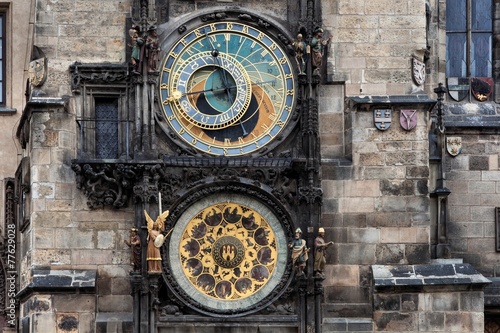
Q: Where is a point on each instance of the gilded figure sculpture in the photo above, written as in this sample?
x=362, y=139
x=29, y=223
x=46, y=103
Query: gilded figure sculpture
x=155, y=241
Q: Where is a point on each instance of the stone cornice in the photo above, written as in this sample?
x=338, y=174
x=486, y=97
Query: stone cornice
x=366, y=102
x=440, y=276
x=50, y=280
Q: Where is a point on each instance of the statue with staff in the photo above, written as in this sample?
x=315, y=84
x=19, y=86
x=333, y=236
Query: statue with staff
x=155, y=240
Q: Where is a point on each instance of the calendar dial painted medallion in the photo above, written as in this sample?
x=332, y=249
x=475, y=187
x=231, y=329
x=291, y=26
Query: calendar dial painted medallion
x=228, y=255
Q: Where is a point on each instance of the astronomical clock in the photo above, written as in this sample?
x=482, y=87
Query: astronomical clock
x=227, y=91
x=227, y=88
x=227, y=255
x=221, y=129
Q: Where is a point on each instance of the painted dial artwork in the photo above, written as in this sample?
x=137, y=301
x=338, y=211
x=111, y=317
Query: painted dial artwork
x=228, y=254
x=227, y=89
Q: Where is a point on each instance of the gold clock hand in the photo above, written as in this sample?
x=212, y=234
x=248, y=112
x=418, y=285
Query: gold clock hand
x=214, y=51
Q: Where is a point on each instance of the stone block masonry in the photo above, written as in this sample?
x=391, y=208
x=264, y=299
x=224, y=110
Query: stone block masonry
x=428, y=298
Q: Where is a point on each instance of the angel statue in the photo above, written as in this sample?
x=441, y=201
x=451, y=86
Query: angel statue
x=155, y=241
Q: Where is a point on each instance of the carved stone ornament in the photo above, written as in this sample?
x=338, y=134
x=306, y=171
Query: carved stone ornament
x=382, y=118
x=454, y=145
x=408, y=119
x=418, y=71
x=37, y=72
x=115, y=184
x=96, y=74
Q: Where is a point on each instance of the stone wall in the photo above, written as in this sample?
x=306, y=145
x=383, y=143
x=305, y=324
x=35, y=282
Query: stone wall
x=277, y=8
x=18, y=52
x=473, y=178
x=376, y=209
x=87, y=31
x=64, y=234
x=442, y=297
x=376, y=203
x=372, y=43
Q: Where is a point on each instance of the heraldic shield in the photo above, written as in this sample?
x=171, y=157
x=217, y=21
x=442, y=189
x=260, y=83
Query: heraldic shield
x=382, y=118
x=408, y=119
x=454, y=145
x=458, y=87
x=418, y=71
x=481, y=87
x=37, y=72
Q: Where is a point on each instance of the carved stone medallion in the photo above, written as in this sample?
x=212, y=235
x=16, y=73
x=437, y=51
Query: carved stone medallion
x=418, y=71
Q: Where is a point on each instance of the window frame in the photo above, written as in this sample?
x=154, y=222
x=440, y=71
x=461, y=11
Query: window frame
x=3, y=60
x=494, y=53
x=91, y=82
x=469, y=32
x=88, y=121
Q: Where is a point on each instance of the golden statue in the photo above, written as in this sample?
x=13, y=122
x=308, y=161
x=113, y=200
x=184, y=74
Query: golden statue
x=155, y=241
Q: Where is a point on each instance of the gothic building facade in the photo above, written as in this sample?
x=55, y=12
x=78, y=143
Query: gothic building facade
x=250, y=166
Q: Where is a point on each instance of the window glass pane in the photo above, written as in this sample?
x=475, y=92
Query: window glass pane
x=1, y=95
x=106, y=113
x=481, y=64
x=481, y=15
x=456, y=18
x=456, y=58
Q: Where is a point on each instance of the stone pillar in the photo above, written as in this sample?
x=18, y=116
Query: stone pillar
x=136, y=284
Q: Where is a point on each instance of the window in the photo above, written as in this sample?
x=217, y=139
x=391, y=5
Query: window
x=106, y=128
x=2, y=58
x=468, y=38
x=105, y=116
x=469, y=64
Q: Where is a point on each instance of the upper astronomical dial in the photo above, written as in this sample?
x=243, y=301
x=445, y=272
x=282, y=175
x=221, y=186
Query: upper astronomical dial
x=201, y=75
x=227, y=88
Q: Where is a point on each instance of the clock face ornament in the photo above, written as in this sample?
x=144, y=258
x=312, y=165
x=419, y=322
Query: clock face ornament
x=228, y=255
x=227, y=89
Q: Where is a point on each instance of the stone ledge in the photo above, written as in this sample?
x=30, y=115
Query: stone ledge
x=108, y=317
x=63, y=278
x=472, y=121
x=114, y=322
x=7, y=111
x=53, y=280
x=273, y=320
x=419, y=276
x=367, y=101
x=348, y=324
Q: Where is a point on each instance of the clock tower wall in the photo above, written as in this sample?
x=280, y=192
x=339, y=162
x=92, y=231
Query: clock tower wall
x=277, y=9
x=304, y=149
